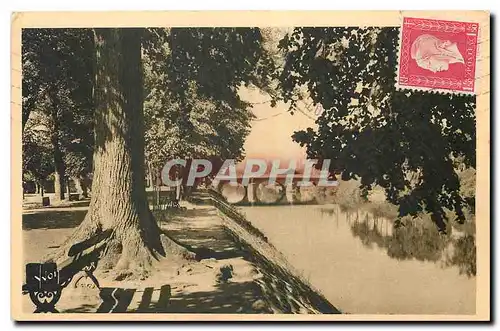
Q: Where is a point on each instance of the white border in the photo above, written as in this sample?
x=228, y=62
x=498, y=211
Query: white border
x=35, y=5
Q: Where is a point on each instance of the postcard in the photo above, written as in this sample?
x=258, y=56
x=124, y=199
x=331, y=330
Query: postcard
x=250, y=166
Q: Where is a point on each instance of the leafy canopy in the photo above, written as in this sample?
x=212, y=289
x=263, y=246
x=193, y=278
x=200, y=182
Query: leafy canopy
x=192, y=78
x=57, y=92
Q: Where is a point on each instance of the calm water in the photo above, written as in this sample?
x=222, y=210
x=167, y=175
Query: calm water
x=360, y=277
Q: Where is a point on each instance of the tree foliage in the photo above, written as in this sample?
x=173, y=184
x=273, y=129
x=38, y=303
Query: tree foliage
x=38, y=163
x=57, y=67
x=57, y=84
x=192, y=77
x=209, y=64
x=404, y=141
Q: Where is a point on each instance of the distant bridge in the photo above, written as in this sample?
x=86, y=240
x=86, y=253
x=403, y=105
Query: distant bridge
x=261, y=191
x=256, y=187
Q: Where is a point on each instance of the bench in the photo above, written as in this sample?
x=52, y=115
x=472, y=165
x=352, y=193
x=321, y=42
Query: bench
x=45, y=281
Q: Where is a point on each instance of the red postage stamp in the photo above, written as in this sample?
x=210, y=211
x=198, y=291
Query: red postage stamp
x=437, y=55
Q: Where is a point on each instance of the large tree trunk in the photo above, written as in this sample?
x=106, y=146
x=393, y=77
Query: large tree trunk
x=54, y=139
x=58, y=160
x=81, y=186
x=119, y=199
x=152, y=177
x=78, y=185
x=58, y=185
x=68, y=186
x=40, y=188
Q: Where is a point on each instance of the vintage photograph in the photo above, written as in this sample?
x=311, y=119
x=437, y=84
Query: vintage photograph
x=322, y=171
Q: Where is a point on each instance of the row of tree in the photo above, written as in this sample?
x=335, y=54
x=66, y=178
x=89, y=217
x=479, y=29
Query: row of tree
x=58, y=100
x=57, y=105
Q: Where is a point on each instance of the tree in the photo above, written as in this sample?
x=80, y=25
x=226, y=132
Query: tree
x=216, y=60
x=194, y=127
x=78, y=159
x=77, y=144
x=404, y=141
x=38, y=163
x=57, y=71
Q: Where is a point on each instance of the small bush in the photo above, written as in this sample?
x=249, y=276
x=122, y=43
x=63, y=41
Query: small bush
x=348, y=194
x=464, y=255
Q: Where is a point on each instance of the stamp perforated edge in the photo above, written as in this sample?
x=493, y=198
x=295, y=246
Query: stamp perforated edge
x=431, y=90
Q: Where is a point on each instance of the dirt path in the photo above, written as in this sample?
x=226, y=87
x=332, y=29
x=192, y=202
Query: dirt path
x=229, y=279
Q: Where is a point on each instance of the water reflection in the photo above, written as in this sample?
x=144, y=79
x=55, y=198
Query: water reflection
x=370, y=234
x=414, y=239
x=363, y=265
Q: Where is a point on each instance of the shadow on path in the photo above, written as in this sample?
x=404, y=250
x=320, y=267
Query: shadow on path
x=227, y=298
x=53, y=219
x=201, y=231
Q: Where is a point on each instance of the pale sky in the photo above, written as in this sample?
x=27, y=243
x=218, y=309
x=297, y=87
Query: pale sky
x=271, y=135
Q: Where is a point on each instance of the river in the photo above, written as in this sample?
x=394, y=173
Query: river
x=355, y=276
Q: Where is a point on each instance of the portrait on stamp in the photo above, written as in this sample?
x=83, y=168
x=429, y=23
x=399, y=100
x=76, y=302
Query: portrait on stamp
x=437, y=54
x=433, y=54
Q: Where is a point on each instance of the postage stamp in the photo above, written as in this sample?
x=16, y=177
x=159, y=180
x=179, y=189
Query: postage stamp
x=437, y=55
